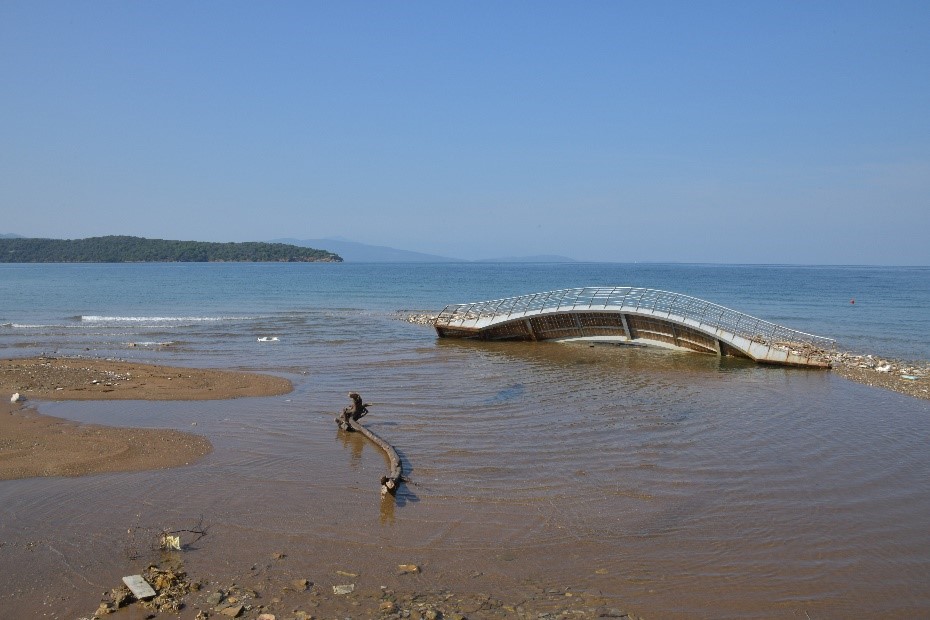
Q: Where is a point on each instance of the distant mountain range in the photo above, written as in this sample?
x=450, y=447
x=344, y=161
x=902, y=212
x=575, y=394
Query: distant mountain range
x=10, y=236
x=355, y=252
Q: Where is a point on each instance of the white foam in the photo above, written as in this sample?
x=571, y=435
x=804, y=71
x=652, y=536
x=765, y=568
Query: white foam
x=157, y=319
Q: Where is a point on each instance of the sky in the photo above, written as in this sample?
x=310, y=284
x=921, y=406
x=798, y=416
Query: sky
x=707, y=132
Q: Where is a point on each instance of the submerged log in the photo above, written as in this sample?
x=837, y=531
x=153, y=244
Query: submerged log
x=349, y=422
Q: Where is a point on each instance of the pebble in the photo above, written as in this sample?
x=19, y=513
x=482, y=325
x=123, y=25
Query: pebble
x=232, y=611
x=344, y=589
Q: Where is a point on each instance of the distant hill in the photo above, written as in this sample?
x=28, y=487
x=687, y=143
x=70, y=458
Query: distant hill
x=124, y=249
x=539, y=258
x=355, y=252
x=10, y=236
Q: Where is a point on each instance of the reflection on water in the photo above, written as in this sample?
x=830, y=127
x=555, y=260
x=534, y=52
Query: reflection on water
x=684, y=485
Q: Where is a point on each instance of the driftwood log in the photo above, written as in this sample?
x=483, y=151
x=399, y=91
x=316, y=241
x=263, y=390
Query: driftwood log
x=348, y=421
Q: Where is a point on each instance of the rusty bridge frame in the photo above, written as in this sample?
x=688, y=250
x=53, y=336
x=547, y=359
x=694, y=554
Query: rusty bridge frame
x=634, y=315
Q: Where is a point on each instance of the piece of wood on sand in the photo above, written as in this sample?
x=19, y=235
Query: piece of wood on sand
x=349, y=422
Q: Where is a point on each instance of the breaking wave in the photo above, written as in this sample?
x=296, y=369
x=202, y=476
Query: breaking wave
x=92, y=318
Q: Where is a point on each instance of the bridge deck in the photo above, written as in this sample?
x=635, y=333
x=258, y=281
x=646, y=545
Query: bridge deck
x=633, y=314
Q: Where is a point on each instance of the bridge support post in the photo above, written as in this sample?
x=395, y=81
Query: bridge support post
x=529, y=329
x=626, y=327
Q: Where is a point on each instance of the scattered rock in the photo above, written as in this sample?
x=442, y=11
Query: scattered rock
x=408, y=569
x=17, y=397
x=345, y=589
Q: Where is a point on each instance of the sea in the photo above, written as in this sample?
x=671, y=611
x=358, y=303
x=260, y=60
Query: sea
x=677, y=485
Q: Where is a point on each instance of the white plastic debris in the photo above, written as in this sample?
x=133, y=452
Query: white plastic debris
x=139, y=586
x=15, y=398
x=169, y=542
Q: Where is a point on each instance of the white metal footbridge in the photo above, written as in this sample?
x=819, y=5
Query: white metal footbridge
x=635, y=316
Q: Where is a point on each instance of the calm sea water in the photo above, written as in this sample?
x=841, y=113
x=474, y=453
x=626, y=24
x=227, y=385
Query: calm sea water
x=683, y=485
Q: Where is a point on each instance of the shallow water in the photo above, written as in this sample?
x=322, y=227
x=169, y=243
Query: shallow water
x=682, y=485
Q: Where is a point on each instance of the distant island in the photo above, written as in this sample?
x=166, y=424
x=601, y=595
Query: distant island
x=125, y=249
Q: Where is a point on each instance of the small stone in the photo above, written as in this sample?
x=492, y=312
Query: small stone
x=387, y=607
x=278, y=555
x=265, y=617
x=232, y=611
x=215, y=599
x=300, y=584
x=408, y=569
x=17, y=397
x=344, y=589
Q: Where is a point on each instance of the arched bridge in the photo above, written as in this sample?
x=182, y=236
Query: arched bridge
x=634, y=315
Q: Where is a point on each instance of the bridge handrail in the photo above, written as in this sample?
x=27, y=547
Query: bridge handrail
x=632, y=299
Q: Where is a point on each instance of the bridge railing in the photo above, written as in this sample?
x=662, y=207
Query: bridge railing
x=629, y=299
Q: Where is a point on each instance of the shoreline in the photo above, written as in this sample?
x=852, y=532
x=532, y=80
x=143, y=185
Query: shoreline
x=908, y=378
x=37, y=445
x=289, y=594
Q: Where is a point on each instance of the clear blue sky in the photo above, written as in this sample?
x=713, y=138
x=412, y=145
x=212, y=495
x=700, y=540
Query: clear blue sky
x=747, y=132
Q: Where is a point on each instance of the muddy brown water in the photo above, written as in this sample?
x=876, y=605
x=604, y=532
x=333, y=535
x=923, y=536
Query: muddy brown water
x=677, y=485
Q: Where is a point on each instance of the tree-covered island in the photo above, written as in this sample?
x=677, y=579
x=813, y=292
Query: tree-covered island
x=125, y=249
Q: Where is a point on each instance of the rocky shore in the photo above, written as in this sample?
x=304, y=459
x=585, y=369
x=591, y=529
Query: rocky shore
x=910, y=378
x=300, y=598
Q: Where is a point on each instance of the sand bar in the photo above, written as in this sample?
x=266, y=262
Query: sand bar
x=33, y=445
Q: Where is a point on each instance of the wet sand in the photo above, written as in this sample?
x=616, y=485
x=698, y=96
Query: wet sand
x=34, y=445
x=273, y=585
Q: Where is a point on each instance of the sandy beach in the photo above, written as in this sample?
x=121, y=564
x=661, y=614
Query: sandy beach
x=33, y=444
x=37, y=445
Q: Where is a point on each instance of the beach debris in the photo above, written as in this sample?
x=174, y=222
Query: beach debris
x=353, y=412
x=883, y=368
x=348, y=421
x=169, y=542
x=268, y=339
x=348, y=588
x=346, y=574
x=17, y=397
x=408, y=569
x=139, y=587
x=233, y=611
x=416, y=318
x=301, y=585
